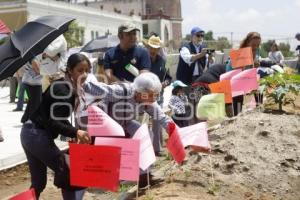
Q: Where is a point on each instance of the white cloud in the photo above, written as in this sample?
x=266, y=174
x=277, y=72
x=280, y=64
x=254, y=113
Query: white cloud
x=297, y=2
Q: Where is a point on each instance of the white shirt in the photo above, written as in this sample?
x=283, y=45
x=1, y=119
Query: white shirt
x=187, y=58
x=276, y=56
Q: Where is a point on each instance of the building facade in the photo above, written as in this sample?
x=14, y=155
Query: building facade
x=96, y=22
x=160, y=16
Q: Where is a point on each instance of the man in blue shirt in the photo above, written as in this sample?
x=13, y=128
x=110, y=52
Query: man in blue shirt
x=127, y=52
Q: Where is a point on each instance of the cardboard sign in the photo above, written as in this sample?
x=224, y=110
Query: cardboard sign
x=175, y=146
x=222, y=87
x=27, y=195
x=241, y=57
x=244, y=82
x=130, y=150
x=230, y=74
x=147, y=155
x=95, y=166
x=100, y=124
x=211, y=106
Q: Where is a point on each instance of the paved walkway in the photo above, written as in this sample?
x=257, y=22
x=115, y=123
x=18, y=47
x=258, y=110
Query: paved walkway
x=11, y=151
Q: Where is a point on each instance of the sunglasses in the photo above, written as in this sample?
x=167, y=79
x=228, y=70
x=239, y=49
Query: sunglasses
x=200, y=35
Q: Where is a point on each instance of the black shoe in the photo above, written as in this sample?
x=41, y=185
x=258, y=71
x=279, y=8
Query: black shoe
x=17, y=110
x=143, y=182
x=159, y=154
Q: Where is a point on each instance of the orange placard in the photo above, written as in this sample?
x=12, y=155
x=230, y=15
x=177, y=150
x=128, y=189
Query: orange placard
x=222, y=87
x=241, y=57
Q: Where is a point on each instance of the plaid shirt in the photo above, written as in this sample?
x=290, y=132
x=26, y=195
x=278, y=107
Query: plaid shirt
x=178, y=103
x=104, y=94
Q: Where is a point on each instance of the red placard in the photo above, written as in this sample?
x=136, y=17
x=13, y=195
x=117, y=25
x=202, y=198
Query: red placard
x=27, y=195
x=175, y=146
x=95, y=166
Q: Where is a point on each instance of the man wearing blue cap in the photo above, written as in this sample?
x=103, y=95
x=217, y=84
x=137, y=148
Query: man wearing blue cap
x=192, y=62
x=192, y=59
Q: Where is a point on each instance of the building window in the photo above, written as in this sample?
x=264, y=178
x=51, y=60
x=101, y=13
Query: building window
x=92, y=35
x=145, y=29
x=148, y=9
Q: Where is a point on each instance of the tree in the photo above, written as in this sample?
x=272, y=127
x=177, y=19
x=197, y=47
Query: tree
x=283, y=47
x=209, y=35
x=74, y=35
x=223, y=43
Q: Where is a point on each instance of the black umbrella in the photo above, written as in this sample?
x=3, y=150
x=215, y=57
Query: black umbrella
x=10, y=60
x=101, y=44
x=30, y=41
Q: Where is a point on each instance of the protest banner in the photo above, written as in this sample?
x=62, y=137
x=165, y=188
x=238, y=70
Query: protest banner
x=211, y=106
x=222, y=87
x=175, y=146
x=95, y=166
x=241, y=57
x=147, y=155
x=130, y=150
x=196, y=136
x=244, y=82
x=100, y=124
x=228, y=75
x=27, y=195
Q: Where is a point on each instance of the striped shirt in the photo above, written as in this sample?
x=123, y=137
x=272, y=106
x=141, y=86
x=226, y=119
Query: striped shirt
x=104, y=94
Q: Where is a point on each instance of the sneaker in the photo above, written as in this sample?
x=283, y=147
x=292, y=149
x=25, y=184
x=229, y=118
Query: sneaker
x=17, y=110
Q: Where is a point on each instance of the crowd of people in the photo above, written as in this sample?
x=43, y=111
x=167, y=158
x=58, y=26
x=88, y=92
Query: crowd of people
x=134, y=75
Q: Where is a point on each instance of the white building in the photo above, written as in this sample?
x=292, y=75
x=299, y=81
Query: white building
x=96, y=22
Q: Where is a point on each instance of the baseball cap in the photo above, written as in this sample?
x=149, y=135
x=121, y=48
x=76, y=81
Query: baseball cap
x=196, y=30
x=178, y=84
x=297, y=35
x=127, y=27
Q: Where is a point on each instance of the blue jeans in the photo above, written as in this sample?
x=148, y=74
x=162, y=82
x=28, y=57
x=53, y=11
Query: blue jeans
x=41, y=152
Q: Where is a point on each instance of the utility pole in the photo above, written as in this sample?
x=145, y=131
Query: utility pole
x=231, y=38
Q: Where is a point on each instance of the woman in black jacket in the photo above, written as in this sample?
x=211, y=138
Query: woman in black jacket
x=50, y=120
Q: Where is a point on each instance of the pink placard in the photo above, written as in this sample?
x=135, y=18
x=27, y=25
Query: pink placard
x=147, y=155
x=130, y=150
x=100, y=124
x=244, y=82
x=195, y=135
x=230, y=74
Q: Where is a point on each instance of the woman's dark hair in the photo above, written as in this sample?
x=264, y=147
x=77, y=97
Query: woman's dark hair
x=176, y=90
x=75, y=59
x=250, y=36
x=275, y=45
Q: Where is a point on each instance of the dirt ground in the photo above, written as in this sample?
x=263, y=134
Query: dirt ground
x=254, y=156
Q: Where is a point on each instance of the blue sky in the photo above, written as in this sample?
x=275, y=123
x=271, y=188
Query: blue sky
x=271, y=18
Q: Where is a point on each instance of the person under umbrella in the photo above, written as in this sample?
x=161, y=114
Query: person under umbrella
x=30, y=41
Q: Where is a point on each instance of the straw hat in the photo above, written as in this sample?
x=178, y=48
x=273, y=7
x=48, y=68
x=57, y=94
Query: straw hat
x=153, y=42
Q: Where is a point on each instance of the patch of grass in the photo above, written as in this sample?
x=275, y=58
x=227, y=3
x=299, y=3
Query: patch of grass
x=213, y=189
x=124, y=187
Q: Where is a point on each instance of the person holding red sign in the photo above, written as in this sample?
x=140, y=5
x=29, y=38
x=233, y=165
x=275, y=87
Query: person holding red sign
x=50, y=120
